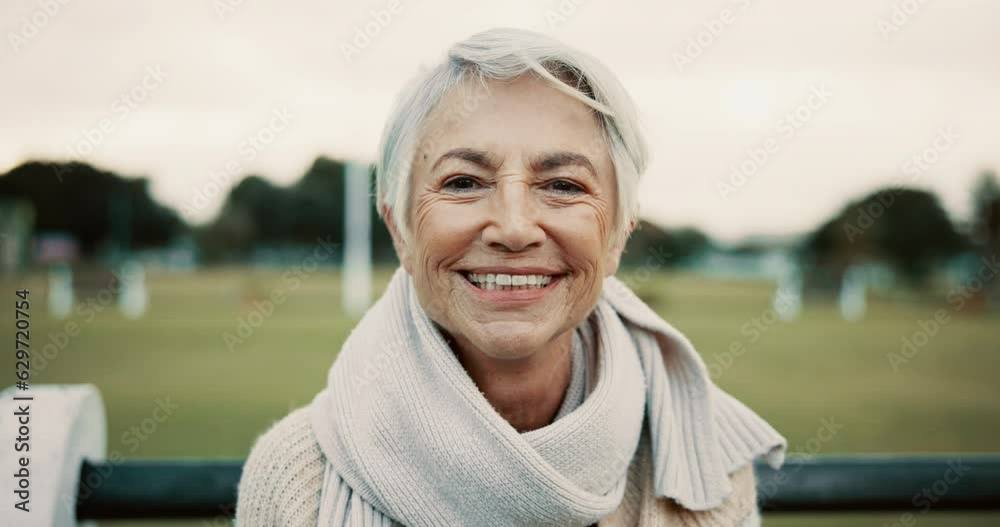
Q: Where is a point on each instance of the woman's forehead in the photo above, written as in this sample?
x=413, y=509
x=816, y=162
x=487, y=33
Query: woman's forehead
x=526, y=116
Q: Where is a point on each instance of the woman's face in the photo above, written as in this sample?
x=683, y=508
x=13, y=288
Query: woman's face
x=512, y=203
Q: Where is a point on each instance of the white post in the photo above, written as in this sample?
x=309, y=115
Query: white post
x=62, y=425
x=853, y=297
x=356, y=277
x=787, y=301
x=134, y=297
x=60, y=290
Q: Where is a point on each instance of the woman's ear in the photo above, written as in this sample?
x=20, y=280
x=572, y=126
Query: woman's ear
x=614, y=256
x=402, y=249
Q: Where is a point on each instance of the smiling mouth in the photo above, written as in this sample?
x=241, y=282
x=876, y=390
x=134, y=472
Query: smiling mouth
x=508, y=282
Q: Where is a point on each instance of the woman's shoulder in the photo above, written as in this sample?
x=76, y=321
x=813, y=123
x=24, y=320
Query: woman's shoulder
x=283, y=475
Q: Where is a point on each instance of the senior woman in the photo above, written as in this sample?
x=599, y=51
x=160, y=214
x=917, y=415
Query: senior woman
x=506, y=377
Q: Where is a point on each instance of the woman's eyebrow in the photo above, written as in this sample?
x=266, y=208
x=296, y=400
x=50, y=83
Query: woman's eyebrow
x=553, y=160
x=480, y=158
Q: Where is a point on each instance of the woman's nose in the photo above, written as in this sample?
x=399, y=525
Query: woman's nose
x=513, y=224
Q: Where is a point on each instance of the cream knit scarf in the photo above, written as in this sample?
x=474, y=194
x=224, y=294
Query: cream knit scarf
x=410, y=439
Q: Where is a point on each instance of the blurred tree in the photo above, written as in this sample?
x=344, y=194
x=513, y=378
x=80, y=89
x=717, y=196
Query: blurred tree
x=87, y=203
x=668, y=248
x=986, y=212
x=906, y=228
x=257, y=212
x=318, y=203
x=263, y=204
x=986, y=233
x=229, y=238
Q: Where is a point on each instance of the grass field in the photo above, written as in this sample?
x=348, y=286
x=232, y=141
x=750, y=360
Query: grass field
x=946, y=398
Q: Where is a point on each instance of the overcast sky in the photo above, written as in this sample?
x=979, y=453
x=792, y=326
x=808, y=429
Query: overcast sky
x=892, y=84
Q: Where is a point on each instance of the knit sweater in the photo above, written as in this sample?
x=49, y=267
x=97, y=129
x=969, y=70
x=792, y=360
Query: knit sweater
x=282, y=481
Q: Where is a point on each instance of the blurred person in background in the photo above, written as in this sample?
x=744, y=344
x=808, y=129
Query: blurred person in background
x=506, y=377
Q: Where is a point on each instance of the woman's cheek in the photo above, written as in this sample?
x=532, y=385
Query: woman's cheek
x=590, y=230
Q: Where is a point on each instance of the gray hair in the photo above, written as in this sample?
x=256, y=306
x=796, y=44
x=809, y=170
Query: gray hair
x=502, y=54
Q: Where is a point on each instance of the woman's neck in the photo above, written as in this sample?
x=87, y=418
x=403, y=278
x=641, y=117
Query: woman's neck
x=527, y=392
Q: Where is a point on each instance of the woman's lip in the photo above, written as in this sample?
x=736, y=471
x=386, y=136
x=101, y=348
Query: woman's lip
x=525, y=295
x=513, y=270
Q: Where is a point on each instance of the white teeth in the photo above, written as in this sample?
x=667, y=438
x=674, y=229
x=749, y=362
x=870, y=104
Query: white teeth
x=503, y=282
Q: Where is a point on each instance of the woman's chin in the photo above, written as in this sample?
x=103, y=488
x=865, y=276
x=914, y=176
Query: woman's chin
x=510, y=341
x=509, y=354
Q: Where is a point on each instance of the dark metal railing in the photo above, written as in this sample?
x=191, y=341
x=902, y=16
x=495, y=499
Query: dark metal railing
x=207, y=489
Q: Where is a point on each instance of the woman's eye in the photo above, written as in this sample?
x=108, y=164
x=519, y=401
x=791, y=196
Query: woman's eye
x=565, y=187
x=462, y=184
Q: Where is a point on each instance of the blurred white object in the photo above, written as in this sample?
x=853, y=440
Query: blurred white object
x=65, y=425
x=60, y=290
x=134, y=297
x=787, y=300
x=853, y=294
x=357, y=274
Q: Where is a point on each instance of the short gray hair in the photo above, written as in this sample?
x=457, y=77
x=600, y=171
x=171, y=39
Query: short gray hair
x=502, y=54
